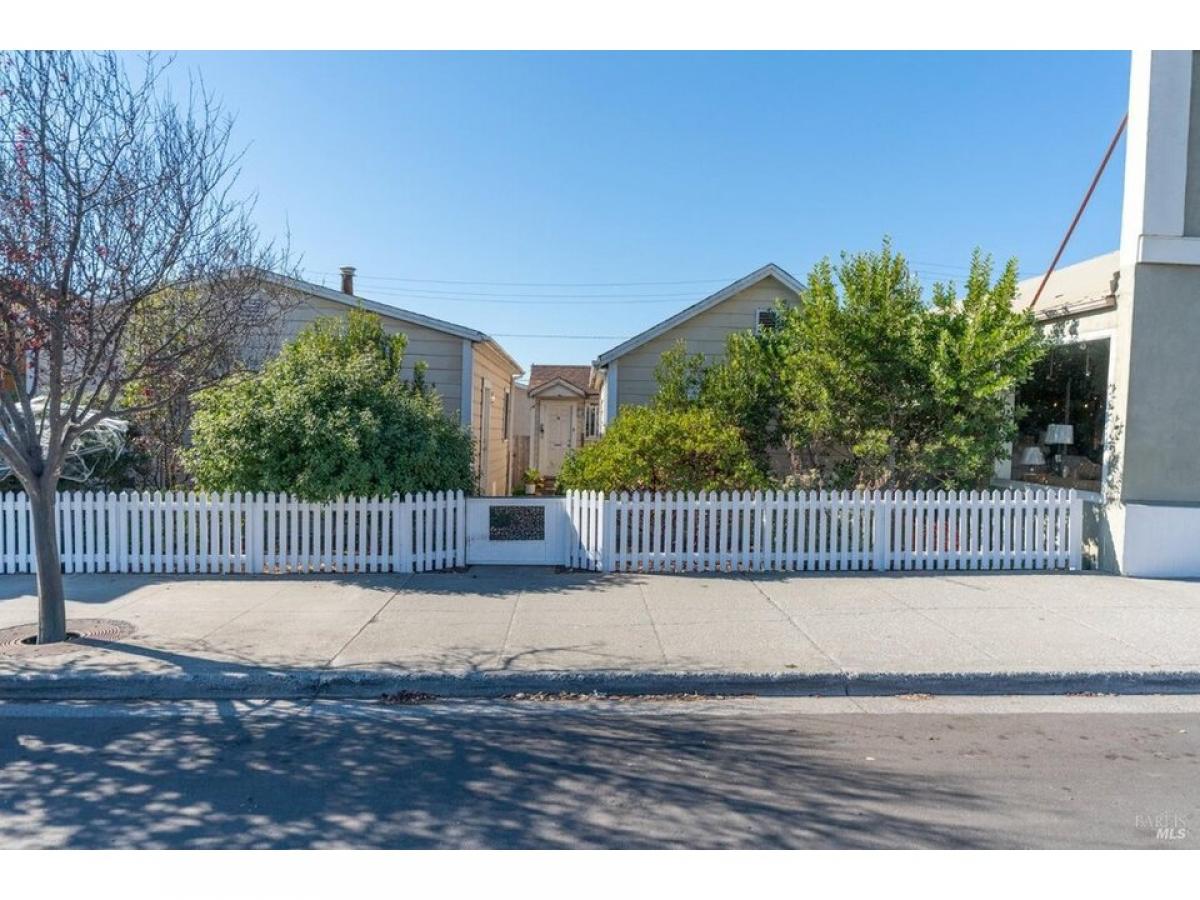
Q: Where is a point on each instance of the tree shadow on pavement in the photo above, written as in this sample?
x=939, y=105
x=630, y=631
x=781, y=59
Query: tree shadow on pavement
x=244, y=775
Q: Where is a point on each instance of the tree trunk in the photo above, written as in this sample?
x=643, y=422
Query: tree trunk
x=52, y=607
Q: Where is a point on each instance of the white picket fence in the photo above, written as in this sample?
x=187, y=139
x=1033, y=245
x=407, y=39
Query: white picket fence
x=825, y=531
x=190, y=533
x=186, y=532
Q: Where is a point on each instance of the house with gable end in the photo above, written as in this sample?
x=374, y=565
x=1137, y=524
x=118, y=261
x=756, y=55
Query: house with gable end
x=624, y=375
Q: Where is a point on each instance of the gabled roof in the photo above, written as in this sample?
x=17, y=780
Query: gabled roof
x=547, y=386
x=393, y=312
x=577, y=376
x=1083, y=287
x=770, y=270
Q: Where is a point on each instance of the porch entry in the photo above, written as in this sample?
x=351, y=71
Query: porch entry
x=558, y=434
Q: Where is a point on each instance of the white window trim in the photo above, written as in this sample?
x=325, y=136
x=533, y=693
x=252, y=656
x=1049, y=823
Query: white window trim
x=758, y=326
x=611, y=397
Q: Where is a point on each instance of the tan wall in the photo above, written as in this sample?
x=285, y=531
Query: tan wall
x=521, y=410
x=519, y=443
x=442, y=352
x=705, y=333
x=492, y=367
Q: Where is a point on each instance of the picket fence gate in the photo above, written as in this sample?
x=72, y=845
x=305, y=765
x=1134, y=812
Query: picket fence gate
x=826, y=531
x=194, y=533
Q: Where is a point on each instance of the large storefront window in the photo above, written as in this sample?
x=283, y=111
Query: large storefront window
x=1061, y=418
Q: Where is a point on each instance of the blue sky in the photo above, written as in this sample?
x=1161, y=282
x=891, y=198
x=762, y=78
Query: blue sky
x=514, y=171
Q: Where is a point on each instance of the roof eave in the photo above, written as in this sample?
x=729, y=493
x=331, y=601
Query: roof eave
x=770, y=270
x=383, y=309
x=394, y=312
x=1078, y=308
x=492, y=342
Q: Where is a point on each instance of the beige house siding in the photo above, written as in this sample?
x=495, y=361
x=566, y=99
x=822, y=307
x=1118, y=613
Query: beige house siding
x=518, y=443
x=440, y=351
x=704, y=333
x=491, y=378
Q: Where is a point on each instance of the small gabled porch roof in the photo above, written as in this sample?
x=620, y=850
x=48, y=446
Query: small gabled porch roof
x=557, y=387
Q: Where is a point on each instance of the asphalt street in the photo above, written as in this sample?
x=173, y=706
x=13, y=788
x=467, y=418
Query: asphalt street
x=731, y=773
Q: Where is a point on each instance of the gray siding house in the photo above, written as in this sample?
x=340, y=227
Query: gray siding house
x=471, y=372
x=624, y=375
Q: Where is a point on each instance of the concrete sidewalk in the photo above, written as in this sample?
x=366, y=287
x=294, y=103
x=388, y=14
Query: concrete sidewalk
x=495, y=629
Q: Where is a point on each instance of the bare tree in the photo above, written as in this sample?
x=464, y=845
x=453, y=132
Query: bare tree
x=125, y=259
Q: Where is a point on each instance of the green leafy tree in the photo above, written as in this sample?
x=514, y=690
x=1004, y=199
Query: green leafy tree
x=659, y=448
x=330, y=416
x=867, y=385
x=979, y=351
x=680, y=377
x=883, y=390
x=744, y=388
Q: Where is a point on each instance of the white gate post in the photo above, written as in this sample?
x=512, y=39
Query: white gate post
x=1076, y=524
x=460, y=529
x=569, y=536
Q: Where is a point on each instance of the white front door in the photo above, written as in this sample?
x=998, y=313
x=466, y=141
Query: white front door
x=558, y=429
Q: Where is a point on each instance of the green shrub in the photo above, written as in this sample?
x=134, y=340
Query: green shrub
x=330, y=416
x=663, y=449
x=865, y=384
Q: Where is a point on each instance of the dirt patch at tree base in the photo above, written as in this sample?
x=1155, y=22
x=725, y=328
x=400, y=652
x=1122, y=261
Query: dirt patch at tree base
x=21, y=640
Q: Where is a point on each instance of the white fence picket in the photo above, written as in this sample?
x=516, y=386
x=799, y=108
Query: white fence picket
x=707, y=531
x=190, y=533
x=824, y=531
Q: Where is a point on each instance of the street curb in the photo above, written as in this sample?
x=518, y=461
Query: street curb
x=269, y=684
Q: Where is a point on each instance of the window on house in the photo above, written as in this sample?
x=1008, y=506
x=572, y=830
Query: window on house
x=765, y=319
x=1061, y=418
x=591, y=420
x=507, y=411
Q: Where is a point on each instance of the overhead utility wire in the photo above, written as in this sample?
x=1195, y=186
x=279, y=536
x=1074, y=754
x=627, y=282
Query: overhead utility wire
x=545, y=299
x=538, y=283
x=398, y=292
x=918, y=265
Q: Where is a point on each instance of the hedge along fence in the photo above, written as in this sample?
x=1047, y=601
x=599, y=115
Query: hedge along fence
x=826, y=531
x=187, y=532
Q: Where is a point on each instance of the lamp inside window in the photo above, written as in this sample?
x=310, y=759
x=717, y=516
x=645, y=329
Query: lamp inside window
x=1060, y=418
